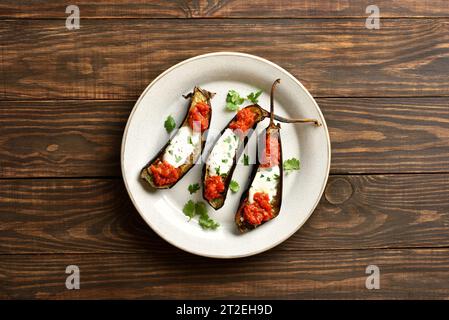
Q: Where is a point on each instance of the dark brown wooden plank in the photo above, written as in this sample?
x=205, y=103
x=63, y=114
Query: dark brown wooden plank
x=61, y=138
x=82, y=138
x=223, y=8
x=388, y=135
x=116, y=59
x=404, y=274
x=89, y=216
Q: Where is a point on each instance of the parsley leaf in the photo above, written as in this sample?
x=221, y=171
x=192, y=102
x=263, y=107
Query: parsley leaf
x=207, y=223
x=291, y=165
x=231, y=106
x=193, y=188
x=189, y=140
x=169, y=124
x=192, y=209
x=234, y=186
x=178, y=158
x=245, y=159
x=200, y=208
x=189, y=209
x=253, y=96
x=233, y=100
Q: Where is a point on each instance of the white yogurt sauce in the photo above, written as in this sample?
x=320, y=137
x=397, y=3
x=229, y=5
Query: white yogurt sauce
x=222, y=155
x=181, y=146
x=266, y=180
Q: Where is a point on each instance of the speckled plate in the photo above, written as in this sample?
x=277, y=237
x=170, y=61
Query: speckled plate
x=219, y=72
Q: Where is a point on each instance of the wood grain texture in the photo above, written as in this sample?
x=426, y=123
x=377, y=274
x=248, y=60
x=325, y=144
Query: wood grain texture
x=388, y=135
x=406, y=274
x=116, y=59
x=83, y=138
x=223, y=8
x=61, y=138
x=90, y=216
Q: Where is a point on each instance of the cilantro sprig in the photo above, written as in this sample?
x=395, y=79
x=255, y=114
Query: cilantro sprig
x=253, y=96
x=234, y=100
x=192, y=209
x=193, y=188
x=169, y=124
x=234, y=186
x=291, y=165
x=189, y=209
x=245, y=159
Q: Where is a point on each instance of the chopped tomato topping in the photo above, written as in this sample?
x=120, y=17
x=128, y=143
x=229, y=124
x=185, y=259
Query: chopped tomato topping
x=199, y=116
x=245, y=119
x=214, y=187
x=272, y=152
x=164, y=173
x=258, y=211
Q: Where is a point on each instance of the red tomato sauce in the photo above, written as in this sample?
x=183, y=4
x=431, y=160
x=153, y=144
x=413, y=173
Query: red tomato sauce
x=258, y=211
x=272, y=152
x=245, y=119
x=200, y=114
x=214, y=186
x=164, y=173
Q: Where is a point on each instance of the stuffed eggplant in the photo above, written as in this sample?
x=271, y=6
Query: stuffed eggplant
x=181, y=152
x=261, y=202
x=222, y=160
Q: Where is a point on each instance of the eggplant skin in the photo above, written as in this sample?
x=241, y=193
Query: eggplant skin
x=240, y=222
x=219, y=202
x=197, y=95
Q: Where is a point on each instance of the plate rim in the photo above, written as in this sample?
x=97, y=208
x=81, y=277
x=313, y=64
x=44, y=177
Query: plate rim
x=207, y=55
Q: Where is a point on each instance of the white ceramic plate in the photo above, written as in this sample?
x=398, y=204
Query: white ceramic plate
x=219, y=72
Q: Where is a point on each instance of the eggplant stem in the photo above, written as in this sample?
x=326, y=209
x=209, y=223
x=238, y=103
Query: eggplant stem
x=275, y=83
x=304, y=120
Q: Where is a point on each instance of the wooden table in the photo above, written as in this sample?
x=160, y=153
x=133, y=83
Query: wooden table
x=66, y=95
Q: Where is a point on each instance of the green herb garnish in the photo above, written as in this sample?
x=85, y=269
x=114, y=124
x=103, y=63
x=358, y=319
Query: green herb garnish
x=193, y=188
x=169, y=124
x=245, y=159
x=253, y=96
x=200, y=208
x=234, y=186
x=217, y=171
x=192, y=209
x=233, y=100
x=291, y=165
x=207, y=223
x=178, y=158
x=276, y=177
x=189, y=140
x=224, y=160
x=189, y=209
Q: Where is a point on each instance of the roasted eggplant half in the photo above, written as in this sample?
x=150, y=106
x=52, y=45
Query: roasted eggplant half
x=262, y=200
x=222, y=160
x=181, y=152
